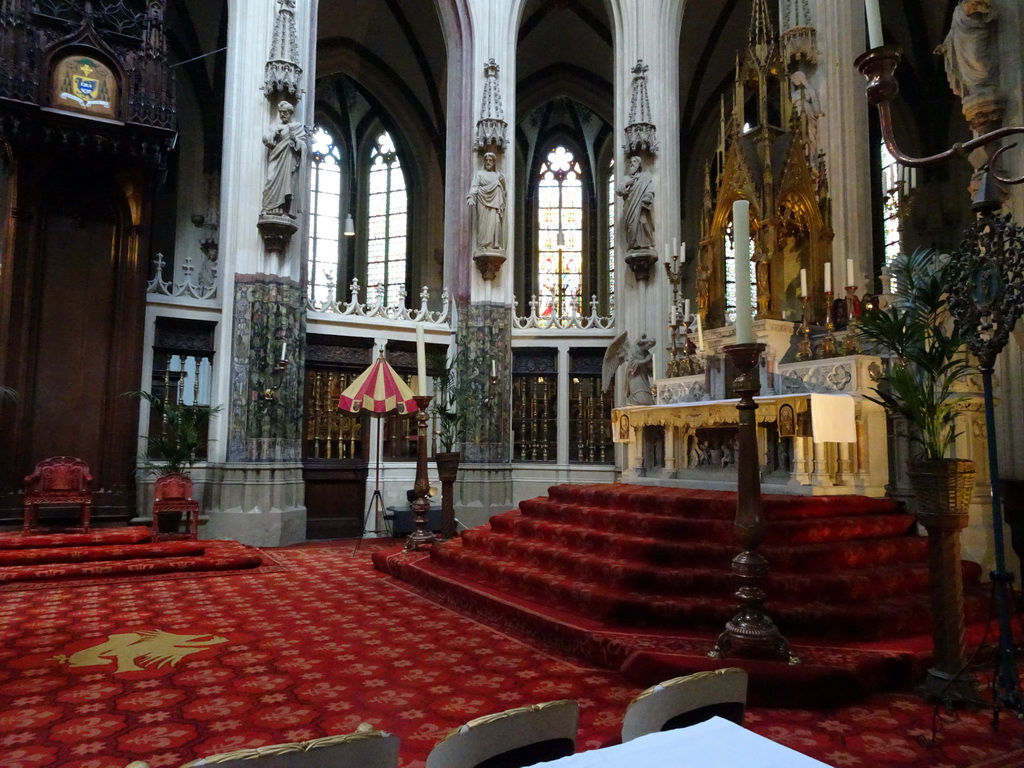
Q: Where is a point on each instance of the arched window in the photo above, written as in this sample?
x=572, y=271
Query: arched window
x=325, y=217
x=730, y=276
x=559, y=234
x=897, y=183
x=611, y=234
x=387, y=223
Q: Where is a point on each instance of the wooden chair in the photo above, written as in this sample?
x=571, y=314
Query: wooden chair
x=172, y=494
x=687, y=700
x=366, y=748
x=58, y=481
x=510, y=739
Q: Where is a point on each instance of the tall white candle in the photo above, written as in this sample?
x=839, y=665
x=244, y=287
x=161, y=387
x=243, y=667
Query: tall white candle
x=675, y=246
x=803, y=282
x=828, y=277
x=421, y=360
x=672, y=316
x=741, y=237
x=284, y=350
x=686, y=309
x=494, y=368
x=700, y=334
x=683, y=253
x=851, y=278
x=875, y=39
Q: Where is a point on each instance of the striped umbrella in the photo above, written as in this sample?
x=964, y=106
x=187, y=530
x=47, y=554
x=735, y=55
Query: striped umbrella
x=378, y=389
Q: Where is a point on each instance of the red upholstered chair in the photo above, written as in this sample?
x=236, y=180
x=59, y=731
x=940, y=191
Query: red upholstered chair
x=61, y=480
x=173, y=495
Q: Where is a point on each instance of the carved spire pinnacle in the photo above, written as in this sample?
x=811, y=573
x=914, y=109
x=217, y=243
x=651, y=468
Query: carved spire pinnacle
x=491, y=128
x=641, y=133
x=761, y=35
x=283, y=76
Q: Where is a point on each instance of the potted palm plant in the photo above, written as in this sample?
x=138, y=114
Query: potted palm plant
x=448, y=423
x=927, y=366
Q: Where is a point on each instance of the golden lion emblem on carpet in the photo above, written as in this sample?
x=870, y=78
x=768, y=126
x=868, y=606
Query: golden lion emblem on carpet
x=135, y=650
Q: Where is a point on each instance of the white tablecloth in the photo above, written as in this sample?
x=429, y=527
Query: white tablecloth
x=833, y=419
x=715, y=743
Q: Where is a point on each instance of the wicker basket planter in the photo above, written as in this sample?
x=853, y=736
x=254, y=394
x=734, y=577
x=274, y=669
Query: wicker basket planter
x=943, y=489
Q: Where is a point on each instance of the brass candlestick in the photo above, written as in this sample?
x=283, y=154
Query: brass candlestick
x=750, y=630
x=804, y=350
x=421, y=505
x=828, y=343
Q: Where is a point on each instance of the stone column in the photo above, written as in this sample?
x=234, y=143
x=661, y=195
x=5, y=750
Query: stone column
x=255, y=482
x=843, y=131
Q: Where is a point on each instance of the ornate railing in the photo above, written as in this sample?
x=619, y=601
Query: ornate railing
x=541, y=320
x=196, y=286
x=378, y=308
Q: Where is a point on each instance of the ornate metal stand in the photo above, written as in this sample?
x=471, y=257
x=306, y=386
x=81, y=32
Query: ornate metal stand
x=991, y=260
x=421, y=506
x=750, y=630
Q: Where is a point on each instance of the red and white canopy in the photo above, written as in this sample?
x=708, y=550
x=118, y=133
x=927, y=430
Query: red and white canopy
x=378, y=389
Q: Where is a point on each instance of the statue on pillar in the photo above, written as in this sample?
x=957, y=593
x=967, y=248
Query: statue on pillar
x=286, y=155
x=487, y=196
x=637, y=190
x=971, y=55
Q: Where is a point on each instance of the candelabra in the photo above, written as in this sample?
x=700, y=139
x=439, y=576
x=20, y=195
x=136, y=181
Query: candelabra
x=804, y=350
x=988, y=271
x=674, y=269
x=750, y=630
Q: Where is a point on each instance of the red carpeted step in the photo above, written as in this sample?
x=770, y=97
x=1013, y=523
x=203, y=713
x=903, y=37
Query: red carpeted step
x=109, y=552
x=839, y=585
x=101, y=536
x=831, y=528
x=218, y=556
x=711, y=551
x=659, y=500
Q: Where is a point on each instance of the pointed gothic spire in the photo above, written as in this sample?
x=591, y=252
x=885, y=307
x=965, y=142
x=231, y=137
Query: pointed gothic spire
x=491, y=128
x=283, y=76
x=761, y=35
x=641, y=133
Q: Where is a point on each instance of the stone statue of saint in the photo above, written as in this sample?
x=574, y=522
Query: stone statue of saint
x=639, y=367
x=637, y=190
x=286, y=155
x=487, y=196
x=971, y=51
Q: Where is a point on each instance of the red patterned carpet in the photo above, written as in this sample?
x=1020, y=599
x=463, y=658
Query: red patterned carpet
x=169, y=669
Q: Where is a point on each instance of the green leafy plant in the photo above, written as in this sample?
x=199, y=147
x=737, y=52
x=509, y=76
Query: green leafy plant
x=182, y=432
x=927, y=360
x=449, y=418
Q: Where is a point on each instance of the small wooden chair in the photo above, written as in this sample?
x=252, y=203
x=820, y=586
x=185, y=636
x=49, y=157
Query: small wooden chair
x=173, y=495
x=511, y=739
x=58, y=481
x=687, y=700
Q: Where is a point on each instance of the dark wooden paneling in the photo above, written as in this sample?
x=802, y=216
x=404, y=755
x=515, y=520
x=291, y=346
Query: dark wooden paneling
x=335, y=498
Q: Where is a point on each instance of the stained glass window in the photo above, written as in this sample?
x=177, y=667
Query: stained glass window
x=892, y=199
x=611, y=232
x=559, y=234
x=730, y=276
x=325, y=216
x=387, y=225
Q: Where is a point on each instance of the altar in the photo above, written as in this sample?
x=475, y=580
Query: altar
x=813, y=428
